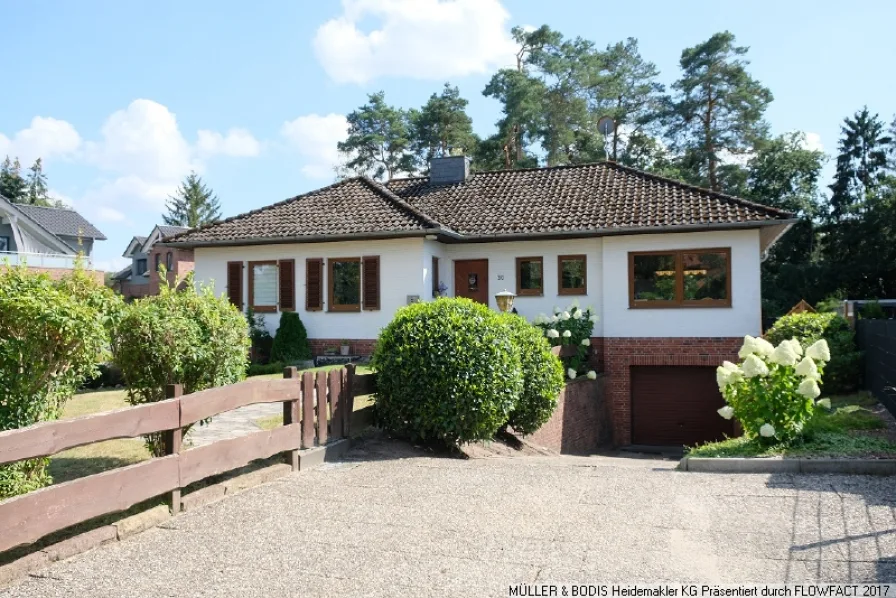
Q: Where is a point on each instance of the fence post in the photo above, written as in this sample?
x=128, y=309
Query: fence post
x=336, y=417
x=291, y=414
x=348, y=403
x=307, y=410
x=173, y=440
x=321, y=408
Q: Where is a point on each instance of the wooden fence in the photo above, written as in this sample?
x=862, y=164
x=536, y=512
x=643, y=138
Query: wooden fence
x=316, y=407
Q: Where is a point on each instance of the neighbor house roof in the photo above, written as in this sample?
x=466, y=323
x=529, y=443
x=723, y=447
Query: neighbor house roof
x=168, y=230
x=62, y=221
x=590, y=199
x=352, y=207
x=158, y=233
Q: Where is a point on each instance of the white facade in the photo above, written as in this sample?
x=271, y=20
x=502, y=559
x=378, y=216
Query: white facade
x=406, y=272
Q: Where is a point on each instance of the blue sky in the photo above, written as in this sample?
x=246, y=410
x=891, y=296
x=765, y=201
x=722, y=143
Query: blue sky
x=124, y=98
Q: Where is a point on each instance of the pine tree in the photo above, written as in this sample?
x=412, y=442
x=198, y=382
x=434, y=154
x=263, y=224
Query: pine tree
x=38, y=192
x=379, y=140
x=194, y=204
x=12, y=185
x=861, y=163
x=442, y=126
x=718, y=109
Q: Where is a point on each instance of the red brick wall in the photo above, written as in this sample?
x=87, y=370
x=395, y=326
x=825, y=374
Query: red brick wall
x=581, y=422
x=129, y=290
x=363, y=347
x=620, y=354
x=182, y=264
x=57, y=273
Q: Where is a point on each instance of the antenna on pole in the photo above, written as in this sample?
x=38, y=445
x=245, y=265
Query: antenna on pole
x=606, y=125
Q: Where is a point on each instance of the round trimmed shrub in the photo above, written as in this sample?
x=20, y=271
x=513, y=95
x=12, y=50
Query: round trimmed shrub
x=542, y=376
x=291, y=340
x=844, y=372
x=446, y=370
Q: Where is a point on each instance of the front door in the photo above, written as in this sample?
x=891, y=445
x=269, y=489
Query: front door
x=471, y=280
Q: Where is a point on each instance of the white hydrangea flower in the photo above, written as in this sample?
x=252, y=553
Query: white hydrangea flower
x=567, y=334
x=819, y=351
x=577, y=314
x=564, y=316
x=762, y=347
x=586, y=342
x=807, y=368
x=826, y=403
x=754, y=366
x=767, y=431
x=748, y=348
x=551, y=333
x=783, y=354
x=575, y=303
x=593, y=319
x=571, y=373
x=727, y=412
x=809, y=388
x=722, y=377
x=557, y=310
x=554, y=319
x=796, y=346
x=591, y=375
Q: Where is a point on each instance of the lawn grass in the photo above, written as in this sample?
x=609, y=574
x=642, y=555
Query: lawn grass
x=842, y=432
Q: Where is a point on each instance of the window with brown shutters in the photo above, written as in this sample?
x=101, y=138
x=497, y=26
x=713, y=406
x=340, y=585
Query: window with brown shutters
x=235, y=283
x=287, y=285
x=314, y=284
x=371, y=282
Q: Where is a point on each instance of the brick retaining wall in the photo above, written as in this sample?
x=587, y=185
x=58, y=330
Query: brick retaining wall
x=581, y=423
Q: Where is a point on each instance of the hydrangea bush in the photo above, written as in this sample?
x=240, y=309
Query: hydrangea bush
x=570, y=327
x=772, y=391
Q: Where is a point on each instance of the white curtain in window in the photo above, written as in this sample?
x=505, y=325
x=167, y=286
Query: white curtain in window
x=265, y=281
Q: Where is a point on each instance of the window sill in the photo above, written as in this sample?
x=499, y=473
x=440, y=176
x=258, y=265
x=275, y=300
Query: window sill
x=344, y=310
x=683, y=306
x=572, y=292
x=265, y=309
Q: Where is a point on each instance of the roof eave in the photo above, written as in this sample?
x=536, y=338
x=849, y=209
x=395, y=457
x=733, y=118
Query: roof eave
x=439, y=232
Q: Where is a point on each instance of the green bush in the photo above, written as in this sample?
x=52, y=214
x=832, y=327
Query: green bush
x=872, y=310
x=258, y=369
x=447, y=370
x=186, y=337
x=570, y=327
x=542, y=376
x=52, y=334
x=291, y=341
x=844, y=372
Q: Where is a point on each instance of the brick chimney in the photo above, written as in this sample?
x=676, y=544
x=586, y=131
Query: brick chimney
x=449, y=170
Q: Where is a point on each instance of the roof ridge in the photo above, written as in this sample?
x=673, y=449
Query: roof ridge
x=262, y=209
x=388, y=194
x=66, y=208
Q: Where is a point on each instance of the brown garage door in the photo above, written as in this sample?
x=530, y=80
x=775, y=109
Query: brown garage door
x=676, y=406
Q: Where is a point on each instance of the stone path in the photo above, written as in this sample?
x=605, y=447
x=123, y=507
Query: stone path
x=238, y=422
x=394, y=521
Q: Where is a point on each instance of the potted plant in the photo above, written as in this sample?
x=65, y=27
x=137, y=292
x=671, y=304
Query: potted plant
x=345, y=348
x=331, y=351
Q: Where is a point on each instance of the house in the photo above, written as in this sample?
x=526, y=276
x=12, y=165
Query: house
x=46, y=239
x=141, y=277
x=672, y=270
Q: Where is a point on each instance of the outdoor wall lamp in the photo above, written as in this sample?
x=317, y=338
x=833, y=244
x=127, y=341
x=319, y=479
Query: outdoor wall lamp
x=505, y=300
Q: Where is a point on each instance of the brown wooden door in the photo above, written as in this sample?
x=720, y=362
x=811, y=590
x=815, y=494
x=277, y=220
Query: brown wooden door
x=471, y=280
x=676, y=405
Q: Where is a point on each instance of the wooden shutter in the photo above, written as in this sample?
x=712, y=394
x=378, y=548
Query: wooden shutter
x=287, y=285
x=370, y=282
x=314, y=284
x=234, y=283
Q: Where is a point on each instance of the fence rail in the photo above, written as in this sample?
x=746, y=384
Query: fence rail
x=877, y=338
x=43, y=260
x=316, y=407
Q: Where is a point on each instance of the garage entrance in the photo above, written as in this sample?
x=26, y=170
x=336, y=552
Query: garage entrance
x=676, y=405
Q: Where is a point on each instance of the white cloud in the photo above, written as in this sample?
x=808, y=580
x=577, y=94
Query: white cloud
x=422, y=39
x=106, y=214
x=315, y=137
x=812, y=141
x=237, y=143
x=46, y=138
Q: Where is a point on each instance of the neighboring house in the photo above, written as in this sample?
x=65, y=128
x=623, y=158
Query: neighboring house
x=141, y=277
x=672, y=270
x=46, y=239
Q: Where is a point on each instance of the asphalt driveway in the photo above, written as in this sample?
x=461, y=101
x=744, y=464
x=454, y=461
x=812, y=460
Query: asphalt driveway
x=392, y=521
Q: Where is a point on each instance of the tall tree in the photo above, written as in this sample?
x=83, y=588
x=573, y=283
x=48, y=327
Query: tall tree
x=379, y=140
x=12, y=185
x=626, y=88
x=193, y=204
x=38, y=192
x=717, y=109
x=442, y=125
x=861, y=163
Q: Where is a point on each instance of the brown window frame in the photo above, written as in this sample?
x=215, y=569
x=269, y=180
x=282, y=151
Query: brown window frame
x=344, y=308
x=269, y=309
x=435, y=277
x=521, y=292
x=679, y=301
x=583, y=290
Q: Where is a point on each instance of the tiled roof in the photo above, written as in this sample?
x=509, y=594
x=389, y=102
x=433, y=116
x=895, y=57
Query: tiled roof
x=62, y=221
x=351, y=207
x=169, y=231
x=566, y=200
x=602, y=196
